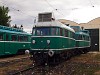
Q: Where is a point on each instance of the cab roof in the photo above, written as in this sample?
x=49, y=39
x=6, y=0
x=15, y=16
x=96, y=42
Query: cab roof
x=54, y=24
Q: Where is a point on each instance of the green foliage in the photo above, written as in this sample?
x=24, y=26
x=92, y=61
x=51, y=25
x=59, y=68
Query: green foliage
x=4, y=18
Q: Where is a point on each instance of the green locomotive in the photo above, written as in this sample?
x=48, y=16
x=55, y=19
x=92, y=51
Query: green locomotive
x=13, y=41
x=52, y=40
x=82, y=39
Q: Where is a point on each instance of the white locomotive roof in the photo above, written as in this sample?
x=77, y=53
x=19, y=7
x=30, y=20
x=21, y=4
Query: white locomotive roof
x=54, y=23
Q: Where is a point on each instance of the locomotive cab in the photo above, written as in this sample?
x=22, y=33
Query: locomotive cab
x=46, y=39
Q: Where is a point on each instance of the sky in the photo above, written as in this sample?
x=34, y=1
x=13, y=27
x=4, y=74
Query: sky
x=23, y=12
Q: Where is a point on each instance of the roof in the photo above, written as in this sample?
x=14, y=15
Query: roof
x=55, y=24
x=12, y=30
x=71, y=23
x=82, y=33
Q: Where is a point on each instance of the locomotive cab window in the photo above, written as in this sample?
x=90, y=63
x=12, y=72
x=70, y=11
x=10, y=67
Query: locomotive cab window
x=71, y=34
x=84, y=37
x=25, y=38
x=1, y=37
x=79, y=37
x=7, y=37
x=42, y=31
x=13, y=37
x=66, y=33
x=20, y=38
x=45, y=31
x=54, y=31
x=33, y=32
x=61, y=32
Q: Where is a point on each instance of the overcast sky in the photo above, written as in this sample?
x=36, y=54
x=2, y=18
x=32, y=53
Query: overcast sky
x=24, y=11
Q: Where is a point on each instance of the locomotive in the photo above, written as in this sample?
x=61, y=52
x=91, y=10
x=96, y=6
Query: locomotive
x=52, y=40
x=82, y=39
x=13, y=41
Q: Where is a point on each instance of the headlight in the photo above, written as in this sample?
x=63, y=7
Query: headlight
x=33, y=41
x=23, y=45
x=48, y=41
x=27, y=52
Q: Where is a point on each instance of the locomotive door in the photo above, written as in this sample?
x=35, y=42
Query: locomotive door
x=94, y=35
x=7, y=44
x=1, y=43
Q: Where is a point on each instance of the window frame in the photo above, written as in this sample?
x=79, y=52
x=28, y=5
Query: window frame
x=13, y=38
x=1, y=37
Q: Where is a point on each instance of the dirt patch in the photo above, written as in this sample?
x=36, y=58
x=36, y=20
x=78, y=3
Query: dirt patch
x=85, y=64
x=6, y=68
x=97, y=73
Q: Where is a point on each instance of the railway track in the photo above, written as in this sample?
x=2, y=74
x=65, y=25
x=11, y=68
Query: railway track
x=32, y=70
x=75, y=66
x=8, y=61
x=44, y=69
x=13, y=63
x=22, y=71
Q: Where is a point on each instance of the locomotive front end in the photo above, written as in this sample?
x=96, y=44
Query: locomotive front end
x=44, y=43
x=44, y=40
x=41, y=45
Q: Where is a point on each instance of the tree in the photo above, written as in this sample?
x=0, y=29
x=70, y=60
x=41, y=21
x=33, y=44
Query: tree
x=4, y=18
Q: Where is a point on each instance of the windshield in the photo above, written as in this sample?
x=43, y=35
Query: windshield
x=76, y=28
x=45, y=31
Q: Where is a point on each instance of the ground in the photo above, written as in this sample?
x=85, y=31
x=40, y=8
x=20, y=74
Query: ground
x=84, y=64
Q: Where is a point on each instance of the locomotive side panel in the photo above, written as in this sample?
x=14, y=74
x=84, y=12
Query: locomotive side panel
x=1, y=43
x=11, y=43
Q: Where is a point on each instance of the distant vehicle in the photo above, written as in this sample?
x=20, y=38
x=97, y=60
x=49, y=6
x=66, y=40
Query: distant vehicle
x=82, y=38
x=13, y=41
x=52, y=40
